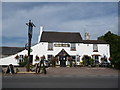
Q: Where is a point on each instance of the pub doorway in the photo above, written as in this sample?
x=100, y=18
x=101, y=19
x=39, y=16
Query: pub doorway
x=62, y=60
x=62, y=55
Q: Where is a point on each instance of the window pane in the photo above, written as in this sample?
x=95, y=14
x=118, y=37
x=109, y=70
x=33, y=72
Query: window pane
x=49, y=57
x=73, y=46
x=95, y=47
x=50, y=46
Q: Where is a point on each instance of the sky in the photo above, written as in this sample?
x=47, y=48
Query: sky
x=95, y=18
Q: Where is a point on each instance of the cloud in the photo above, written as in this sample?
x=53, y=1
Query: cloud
x=71, y=17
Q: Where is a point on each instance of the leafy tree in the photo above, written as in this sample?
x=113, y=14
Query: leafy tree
x=114, y=41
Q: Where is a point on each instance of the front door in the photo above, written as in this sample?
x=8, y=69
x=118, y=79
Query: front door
x=62, y=61
x=62, y=57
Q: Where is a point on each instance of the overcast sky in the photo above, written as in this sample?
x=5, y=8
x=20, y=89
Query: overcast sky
x=95, y=18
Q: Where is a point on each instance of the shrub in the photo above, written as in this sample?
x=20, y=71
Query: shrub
x=91, y=60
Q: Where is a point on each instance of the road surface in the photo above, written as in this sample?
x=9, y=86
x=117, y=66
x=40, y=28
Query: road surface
x=36, y=81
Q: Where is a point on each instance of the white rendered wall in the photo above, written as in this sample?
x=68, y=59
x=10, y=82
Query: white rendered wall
x=81, y=50
x=41, y=49
x=11, y=59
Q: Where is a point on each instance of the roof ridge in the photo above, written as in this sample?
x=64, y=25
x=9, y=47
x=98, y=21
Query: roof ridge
x=60, y=32
x=10, y=47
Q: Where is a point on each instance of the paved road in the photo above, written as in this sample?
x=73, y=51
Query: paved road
x=36, y=81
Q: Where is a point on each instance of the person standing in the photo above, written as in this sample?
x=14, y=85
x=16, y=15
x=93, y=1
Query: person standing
x=40, y=66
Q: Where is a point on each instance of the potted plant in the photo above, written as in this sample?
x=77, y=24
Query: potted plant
x=81, y=63
x=17, y=70
x=53, y=61
x=31, y=67
x=37, y=58
x=43, y=57
x=17, y=57
x=71, y=61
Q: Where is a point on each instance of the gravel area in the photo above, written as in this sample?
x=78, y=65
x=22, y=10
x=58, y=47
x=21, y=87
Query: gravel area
x=81, y=71
x=78, y=71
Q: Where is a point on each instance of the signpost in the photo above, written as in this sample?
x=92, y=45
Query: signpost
x=30, y=29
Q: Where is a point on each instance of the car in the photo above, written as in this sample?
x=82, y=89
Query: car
x=46, y=62
x=104, y=64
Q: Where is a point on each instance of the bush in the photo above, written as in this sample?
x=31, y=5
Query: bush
x=91, y=60
x=24, y=62
x=17, y=70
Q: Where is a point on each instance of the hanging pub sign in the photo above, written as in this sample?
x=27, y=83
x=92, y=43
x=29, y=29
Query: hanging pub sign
x=62, y=45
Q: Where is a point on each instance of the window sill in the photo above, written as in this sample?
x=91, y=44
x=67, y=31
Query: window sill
x=50, y=49
x=73, y=50
x=95, y=50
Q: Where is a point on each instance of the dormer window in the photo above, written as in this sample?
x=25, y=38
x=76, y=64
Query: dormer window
x=95, y=48
x=73, y=47
x=50, y=46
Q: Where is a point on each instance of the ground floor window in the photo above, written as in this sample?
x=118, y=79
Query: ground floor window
x=21, y=58
x=78, y=59
x=50, y=57
x=96, y=58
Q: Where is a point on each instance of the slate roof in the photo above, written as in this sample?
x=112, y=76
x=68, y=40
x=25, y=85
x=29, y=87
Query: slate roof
x=67, y=37
x=10, y=50
x=94, y=42
x=61, y=37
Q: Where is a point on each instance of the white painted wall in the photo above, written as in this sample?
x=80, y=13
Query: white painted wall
x=81, y=49
x=41, y=49
x=11, y=59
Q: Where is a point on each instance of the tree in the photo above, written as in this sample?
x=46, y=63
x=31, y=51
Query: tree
x=114, y=41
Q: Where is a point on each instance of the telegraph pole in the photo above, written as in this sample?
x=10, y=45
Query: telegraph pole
x=30, y=29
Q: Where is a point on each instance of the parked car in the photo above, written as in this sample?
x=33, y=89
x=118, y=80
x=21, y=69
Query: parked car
x=105, y=64
x=46, y=62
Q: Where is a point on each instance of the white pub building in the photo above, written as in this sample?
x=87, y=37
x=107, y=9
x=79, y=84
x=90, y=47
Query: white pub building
x=63, y=45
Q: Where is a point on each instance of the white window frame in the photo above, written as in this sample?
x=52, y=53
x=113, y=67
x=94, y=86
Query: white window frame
x=73, y=46
x=50, y=46
x=95, y=48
